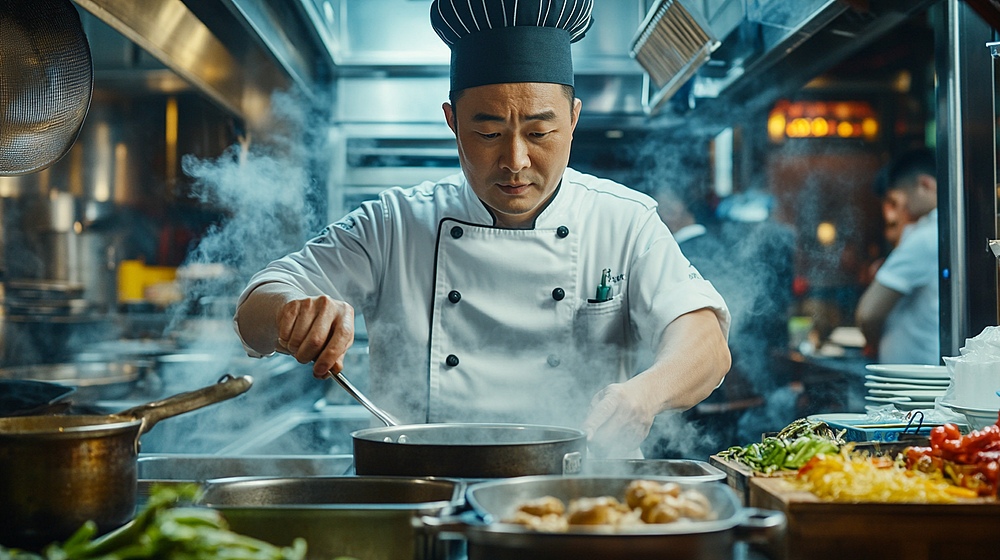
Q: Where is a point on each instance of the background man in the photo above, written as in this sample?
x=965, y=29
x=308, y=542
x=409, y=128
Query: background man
x=899, y=310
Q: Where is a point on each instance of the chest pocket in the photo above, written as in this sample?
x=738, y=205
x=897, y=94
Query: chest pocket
x=597, y=326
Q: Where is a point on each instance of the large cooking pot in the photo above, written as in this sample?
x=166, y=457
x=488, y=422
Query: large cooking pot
x=468, y=450
x=489, y=538
x=57, y=472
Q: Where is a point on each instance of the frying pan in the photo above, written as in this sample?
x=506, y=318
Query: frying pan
x=462, y=450
x=46, y=83
x=57, y=472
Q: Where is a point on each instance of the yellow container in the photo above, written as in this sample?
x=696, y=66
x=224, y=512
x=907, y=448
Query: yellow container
x=135, y=276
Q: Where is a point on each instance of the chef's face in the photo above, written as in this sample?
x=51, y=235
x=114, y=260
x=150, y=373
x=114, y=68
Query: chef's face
x=514, y=142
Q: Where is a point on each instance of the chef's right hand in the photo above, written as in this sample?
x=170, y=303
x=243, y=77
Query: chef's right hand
x=319, y=329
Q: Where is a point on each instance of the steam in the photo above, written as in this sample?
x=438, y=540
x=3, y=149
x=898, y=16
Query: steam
x=265, y=187
x=750, y=264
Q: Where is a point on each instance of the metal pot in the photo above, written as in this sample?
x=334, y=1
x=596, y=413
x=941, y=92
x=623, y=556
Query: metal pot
x=23, y=397
x=56, y=472
x=494, y=501
x=371, y=518
x=468, y=450
x=94, y=381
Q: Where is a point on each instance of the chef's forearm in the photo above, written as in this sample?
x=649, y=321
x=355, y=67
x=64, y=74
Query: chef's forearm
x=257, y=316
x=692, y=360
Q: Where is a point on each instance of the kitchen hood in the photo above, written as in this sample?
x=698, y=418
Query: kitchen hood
x=235, y=52
x=748, y=53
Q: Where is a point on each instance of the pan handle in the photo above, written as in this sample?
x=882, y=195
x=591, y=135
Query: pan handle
x=765, y=530
x=226, y=388
x=572, y=463
x=447, y=525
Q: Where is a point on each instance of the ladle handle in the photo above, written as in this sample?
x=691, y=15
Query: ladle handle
x=382, y=415
x=151, y=413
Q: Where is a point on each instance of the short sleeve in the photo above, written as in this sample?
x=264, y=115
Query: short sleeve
x=912, y=264
x=663, y=285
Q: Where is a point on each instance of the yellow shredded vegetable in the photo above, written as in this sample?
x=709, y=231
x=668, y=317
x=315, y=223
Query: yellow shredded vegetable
x=852, y=478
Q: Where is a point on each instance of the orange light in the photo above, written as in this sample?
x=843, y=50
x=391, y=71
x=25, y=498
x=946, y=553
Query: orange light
x=820, y=127
x=798, y=128
x=869, y=127
x=820, y=119
x=776, y=127
x=826, y=233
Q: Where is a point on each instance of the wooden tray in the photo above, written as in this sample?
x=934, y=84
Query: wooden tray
x=738, y=476
x=820, y=530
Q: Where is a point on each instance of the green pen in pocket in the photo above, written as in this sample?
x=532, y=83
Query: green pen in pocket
x=604, y=289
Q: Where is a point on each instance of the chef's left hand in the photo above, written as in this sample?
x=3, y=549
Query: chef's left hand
x=618, y=421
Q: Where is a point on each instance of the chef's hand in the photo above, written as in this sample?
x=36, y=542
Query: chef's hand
x=618, y=421
x=319, y=329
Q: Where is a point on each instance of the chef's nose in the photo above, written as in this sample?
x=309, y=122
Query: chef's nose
x=515, y=156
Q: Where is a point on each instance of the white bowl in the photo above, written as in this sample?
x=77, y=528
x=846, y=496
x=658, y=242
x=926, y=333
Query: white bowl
x=978, y=418
x=974, y=384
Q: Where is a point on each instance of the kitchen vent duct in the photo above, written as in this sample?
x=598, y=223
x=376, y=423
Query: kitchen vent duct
x=671, y=44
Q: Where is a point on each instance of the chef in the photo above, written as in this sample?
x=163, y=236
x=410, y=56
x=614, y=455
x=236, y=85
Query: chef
x=518, y=290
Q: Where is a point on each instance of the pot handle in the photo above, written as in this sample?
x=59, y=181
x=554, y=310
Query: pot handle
x=226, y=388
x=765, y=530
x=447, y=524
x=572, y=463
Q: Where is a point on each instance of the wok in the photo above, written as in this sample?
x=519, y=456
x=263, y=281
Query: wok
x=490, y=538
x=468, y=450
x=24, y=397
x=57, y=472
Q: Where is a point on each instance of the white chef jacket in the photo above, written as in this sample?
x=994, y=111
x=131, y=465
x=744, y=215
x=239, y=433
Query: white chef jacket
x=469, y=322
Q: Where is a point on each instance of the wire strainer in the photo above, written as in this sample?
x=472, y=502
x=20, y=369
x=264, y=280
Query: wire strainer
x=46, y=82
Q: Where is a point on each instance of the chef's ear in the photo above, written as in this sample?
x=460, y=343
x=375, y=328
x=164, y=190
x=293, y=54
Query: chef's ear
x=575, y=116
x=449, y=116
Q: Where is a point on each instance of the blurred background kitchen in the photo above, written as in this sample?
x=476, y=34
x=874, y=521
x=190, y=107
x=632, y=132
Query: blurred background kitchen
x=225, y=133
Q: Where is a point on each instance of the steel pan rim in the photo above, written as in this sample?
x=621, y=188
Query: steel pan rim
x=425, y=508
x=654, y=530
x=90, y=426
x=375, y=435
x=75, y=374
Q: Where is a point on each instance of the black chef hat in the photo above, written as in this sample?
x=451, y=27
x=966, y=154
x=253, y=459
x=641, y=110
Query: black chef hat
x=509, y=41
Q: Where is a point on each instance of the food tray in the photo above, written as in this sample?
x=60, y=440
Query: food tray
x=819, y=530
x=201, y=467
x=738, y=476
x=857, y=429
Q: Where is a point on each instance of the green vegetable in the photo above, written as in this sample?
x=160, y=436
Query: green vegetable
x=164, y=530
x=791, y=449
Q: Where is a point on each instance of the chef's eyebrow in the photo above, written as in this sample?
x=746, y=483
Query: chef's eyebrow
x=543, y=116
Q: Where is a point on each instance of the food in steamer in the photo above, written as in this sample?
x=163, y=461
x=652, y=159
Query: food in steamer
x=647, y=502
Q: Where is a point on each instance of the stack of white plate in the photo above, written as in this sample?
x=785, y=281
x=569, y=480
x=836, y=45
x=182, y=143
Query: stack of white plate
x=906, y=386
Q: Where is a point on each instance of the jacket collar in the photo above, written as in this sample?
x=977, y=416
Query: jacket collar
x=555, y=209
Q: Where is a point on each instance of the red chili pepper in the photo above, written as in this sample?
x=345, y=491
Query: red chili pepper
x=809, y=465
x=951, y=431
x=937, y=436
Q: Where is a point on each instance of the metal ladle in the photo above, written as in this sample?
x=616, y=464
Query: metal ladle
x=385, y=417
